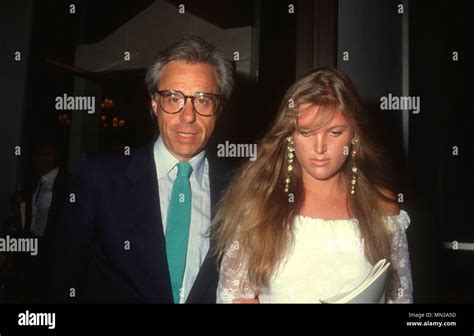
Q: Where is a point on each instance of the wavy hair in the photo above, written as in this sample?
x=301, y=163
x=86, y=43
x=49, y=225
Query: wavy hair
x=256, y=211
x=193, y=49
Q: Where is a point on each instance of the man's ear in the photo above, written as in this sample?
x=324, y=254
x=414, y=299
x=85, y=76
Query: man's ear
x=154, y=106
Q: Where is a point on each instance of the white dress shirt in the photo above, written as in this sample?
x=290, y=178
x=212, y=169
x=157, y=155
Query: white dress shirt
x=198, y=243
x=41, y=202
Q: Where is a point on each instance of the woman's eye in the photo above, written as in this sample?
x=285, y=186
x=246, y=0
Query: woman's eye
x=305, y=134
x=336, y=133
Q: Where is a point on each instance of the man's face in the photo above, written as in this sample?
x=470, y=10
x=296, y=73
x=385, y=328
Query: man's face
x=185, y=133
x=322, y=153
x=44, y=159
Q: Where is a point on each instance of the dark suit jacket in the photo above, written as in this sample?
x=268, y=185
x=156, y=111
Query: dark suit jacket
x=36, y=267
x=110, y=246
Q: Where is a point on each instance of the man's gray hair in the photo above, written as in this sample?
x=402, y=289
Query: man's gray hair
x=193, y=50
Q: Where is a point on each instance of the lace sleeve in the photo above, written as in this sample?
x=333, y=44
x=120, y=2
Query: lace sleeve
x=233, y=279
x=401, y=290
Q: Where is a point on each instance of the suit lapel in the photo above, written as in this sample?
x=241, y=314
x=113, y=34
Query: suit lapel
x=145, y=193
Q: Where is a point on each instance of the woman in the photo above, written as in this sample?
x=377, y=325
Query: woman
x=310, y=217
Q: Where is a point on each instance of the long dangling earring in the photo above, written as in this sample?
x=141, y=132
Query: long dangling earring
x=290, y=155
x=355, y=170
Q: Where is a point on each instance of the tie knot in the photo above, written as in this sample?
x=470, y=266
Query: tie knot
x=184, y=169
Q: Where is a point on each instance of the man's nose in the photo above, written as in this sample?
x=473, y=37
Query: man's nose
x=188, y=115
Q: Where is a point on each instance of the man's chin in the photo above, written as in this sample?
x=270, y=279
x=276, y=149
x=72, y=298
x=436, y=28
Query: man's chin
x=186, y=153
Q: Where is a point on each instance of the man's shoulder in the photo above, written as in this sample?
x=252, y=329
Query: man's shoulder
x=107, y=164
x=221, y=172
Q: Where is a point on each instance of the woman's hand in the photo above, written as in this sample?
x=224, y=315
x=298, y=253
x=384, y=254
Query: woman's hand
x=255, y=300
x=246, y=301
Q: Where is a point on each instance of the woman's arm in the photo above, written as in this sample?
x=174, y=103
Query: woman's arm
x=233, y=280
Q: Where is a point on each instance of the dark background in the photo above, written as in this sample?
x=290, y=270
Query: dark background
x=437, y=186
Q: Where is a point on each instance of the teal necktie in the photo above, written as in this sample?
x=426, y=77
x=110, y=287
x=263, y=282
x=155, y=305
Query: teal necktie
x=177, y=227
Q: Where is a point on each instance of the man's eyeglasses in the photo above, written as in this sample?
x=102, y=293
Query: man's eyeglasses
x=172, y=101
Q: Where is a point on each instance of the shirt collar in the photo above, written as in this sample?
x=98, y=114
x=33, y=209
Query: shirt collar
x=165, y=161
x=50, y=176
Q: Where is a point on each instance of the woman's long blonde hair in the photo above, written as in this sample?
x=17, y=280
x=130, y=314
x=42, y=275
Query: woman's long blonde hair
x=256, y=211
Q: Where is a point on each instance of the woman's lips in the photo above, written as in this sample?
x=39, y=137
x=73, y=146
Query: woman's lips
x=320, y=163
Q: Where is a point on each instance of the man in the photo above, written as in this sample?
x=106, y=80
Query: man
x=136, y=228
x=46, y=198
x=37, y=212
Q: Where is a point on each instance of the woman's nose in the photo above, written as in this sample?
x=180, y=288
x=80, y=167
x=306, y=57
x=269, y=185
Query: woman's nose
x=320, y=145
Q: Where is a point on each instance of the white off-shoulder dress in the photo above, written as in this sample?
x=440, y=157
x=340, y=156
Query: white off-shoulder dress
x=326, y=259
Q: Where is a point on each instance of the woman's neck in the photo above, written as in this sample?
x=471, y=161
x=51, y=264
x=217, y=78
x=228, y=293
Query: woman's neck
x=325, y=199
x=335, y=186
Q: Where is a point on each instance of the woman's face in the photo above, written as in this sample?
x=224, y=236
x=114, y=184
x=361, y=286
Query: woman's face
x=321, y=151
